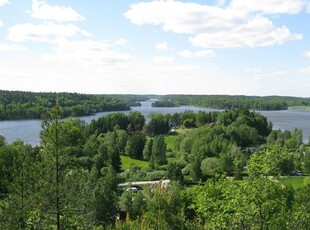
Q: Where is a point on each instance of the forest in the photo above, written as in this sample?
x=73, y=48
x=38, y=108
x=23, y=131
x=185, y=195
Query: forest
x=234, y=102
x=226, y=170
x=15, y=105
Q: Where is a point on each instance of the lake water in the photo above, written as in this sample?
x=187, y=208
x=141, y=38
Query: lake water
x=29, y=130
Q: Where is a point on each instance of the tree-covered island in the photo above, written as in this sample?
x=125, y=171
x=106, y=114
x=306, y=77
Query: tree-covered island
x=234, y=102
x=15, y=105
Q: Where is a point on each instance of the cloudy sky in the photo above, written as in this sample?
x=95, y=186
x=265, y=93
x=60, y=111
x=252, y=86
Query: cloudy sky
x=236, y=47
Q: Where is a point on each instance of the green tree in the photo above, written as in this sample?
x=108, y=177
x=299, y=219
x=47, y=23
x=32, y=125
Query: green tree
x=306, y=165
x=158, y=156
x=271, y=162
x=147, y=151
x=56, y=163
x=2, y=141
x=175, y=172
x=210, y=166
x=100, y=205
x=246, y=204
x=21, y=188
x=135, y=146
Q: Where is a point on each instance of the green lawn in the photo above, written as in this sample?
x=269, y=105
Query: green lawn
x=127, y=162
x=300, y=107
x=295, y=181
x=170, y=141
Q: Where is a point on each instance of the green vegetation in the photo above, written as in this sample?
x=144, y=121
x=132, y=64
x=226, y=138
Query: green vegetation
x=127, y=162
x=16, y=105
x=300, y=107
x=219, y=166
x=294, y=181
x=170, y=141
x=164, y=104
x=235, y=102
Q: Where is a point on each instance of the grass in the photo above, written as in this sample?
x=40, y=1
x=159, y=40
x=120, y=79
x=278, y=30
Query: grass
x=300, y=107
x=127, y=162
x=294, y=181
x=170, y=141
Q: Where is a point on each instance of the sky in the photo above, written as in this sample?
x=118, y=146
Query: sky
x=231, y=47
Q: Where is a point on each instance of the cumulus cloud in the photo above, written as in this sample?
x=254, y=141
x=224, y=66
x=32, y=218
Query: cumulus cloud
x=3, y=2
x=197, y=54
x=163, y=60
x=162, y=46
x=216, y=26
x=49, y=32
x=42, y=10
x=269, y=6
x=9, y=47
x=88, y=52
x=257, y=32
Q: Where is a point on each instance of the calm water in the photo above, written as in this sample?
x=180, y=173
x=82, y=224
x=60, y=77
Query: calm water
x=29, y=130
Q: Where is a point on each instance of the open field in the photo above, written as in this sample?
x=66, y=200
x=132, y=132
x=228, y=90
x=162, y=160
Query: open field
x=300, y=107
x=127, y=162
x=170, y=141
x=294, y=181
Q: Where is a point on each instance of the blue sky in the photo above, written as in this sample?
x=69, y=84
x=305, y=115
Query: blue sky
x=235, y=47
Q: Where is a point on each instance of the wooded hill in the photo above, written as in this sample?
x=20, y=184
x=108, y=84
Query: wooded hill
x=233, y=102
x=16, y=105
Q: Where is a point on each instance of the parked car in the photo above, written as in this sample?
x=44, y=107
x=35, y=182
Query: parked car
x=134, y=188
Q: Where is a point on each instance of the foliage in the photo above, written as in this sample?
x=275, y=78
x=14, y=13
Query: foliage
x=70, y=180
x=271, y=162
x=158, y=156
x=135, y=146
x=164, y=104
x=24, y=105
x=127, y=162
x=233, y=102
x=248, y=204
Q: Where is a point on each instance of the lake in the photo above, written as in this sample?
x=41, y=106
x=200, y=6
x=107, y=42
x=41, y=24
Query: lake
x=29, y=130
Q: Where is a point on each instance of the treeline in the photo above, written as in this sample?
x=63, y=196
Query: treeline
x=164, y=103
x=234, y=102
x=71, y=180
x=16, y=105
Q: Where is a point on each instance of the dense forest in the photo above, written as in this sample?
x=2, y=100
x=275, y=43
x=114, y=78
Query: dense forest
x=16, y=105
x=234, y=102
x=226, y=170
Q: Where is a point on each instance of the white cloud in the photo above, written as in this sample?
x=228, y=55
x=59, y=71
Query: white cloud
x=307, y=54
x=121, y=42
x=9, y=47
x=197, y=54
x=257, y=32
x=163, y=60
x=49, y=32
x=308, y=8
x=1, y=23
x=89, y=53
x=162, y=46
x=305, y=70
x=214, y=26
x=269, y=6
x=42, y=10
x=3, y=2
x=187, y=18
